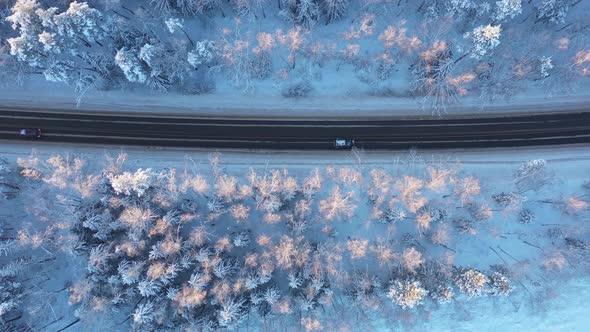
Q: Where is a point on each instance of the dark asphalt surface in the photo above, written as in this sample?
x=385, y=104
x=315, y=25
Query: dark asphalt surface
x=369, y=133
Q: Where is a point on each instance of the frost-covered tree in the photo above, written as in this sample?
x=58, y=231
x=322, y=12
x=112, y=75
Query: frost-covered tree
x=484, y=38
x=506, y=9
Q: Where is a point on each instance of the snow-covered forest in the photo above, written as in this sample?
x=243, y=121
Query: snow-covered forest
x=434, y=53
x=413, y=240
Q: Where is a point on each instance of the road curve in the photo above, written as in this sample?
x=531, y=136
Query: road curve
x=252, y=133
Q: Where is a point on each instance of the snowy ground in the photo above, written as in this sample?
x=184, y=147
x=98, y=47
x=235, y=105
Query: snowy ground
x=336, y=106
x=550, y=280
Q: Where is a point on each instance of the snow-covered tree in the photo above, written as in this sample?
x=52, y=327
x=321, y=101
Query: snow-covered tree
x=508, y=199
x=231, y=313
x=129, y=62
x=203, y=53
x=526, y=216
x=338, y=205
x=25, y=19
x=434, y=81
x=545, y=65
x=44, y=28
x=11, y=289
x=308, y=12
x=553, y=11
x=304, y=12
x=174, y=24
x=484, y=38
x=506, y=9
x=132, y=183
x=144, y=314
x=412, y=259
x=24, y=16
x=334, y=9
x=499, y=284
x=461, y=8
x=406, y=294
x=60, y=71
x=165, y=7
x=80, y=21
x=250, y=7
x=472, y=283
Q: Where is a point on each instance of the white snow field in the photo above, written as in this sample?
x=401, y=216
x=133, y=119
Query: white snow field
x=143, y=239
x=287, y=57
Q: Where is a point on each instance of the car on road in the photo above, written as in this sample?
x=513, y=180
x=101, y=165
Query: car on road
x=30, y=132
x=340, y=143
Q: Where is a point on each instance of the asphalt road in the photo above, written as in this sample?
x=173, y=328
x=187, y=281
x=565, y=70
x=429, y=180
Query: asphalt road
x=370, y=133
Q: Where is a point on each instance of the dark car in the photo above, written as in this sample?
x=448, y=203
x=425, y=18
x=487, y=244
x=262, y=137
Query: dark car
x=340, y=143
x=30, y=132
